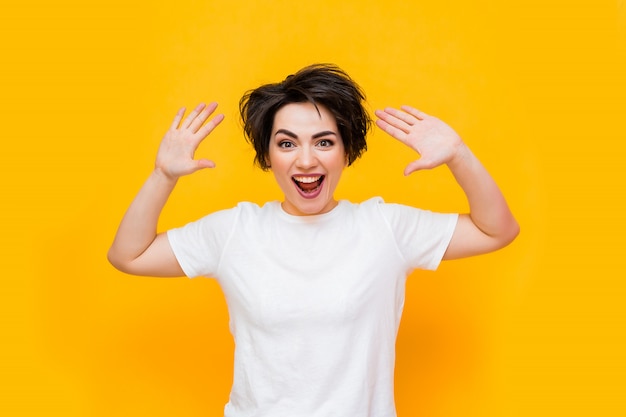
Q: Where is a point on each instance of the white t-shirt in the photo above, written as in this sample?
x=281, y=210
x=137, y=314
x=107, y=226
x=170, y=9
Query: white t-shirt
x=314, y=301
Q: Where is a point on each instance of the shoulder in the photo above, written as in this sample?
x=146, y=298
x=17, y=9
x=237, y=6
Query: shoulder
x=371, y=205
x=373, y=213
x=402, y=217
x=252, y=211
x=244, y=208
x=378, y=206
x=219, y=222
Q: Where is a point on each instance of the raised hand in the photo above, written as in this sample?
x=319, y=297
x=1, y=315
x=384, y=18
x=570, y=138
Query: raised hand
x=175, y=157
x=435, y=141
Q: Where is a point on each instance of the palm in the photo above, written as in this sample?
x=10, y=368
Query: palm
x=434, y=140
x=175, y=157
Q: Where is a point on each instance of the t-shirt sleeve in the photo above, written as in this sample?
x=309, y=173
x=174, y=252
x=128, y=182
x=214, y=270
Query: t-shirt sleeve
x=198, y=246
x=422, y=236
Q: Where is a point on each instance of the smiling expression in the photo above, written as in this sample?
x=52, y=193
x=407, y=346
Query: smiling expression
x=307, y=157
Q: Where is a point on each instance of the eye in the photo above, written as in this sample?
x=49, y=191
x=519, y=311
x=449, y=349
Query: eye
x=325, y=143
x=285, y=144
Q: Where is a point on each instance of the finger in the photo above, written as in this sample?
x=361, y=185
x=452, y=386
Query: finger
x=202, y=117
x=396, y=118
x=205, y=163
x=177, y=118
x=403, y=115
x=414, y=166
x=205, y=130
x=420, y=115
x=391, y=130
x=199, y=120
x=194, y=113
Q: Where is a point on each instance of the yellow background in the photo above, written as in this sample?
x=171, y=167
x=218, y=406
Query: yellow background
x=536, y=88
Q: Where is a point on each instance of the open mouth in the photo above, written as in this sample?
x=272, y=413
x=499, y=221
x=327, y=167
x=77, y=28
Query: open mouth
x=308, y=185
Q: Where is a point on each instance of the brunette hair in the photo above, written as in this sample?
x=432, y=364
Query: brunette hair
x=319, y=84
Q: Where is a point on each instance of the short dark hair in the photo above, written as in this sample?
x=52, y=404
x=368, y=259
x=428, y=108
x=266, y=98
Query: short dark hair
x=323, y=84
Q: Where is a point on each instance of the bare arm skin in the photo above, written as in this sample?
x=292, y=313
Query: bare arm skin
x=137, y=248
x=490, y=225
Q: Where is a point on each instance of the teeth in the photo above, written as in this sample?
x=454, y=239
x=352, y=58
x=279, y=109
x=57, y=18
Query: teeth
x=307, y=180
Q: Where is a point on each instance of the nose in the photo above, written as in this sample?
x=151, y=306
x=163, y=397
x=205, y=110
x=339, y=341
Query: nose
x=306, y=158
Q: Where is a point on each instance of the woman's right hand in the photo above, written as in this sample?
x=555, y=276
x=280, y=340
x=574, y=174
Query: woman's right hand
x=175, y=157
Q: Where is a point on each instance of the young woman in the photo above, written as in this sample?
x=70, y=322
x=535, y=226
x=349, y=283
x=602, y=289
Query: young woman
x=314, y=286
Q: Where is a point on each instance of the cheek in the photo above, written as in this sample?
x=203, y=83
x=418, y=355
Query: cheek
x=276, y=162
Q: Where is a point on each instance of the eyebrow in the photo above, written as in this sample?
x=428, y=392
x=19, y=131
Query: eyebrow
x=315, y=136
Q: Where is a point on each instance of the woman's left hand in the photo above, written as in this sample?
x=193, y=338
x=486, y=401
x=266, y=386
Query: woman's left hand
x=435, y=141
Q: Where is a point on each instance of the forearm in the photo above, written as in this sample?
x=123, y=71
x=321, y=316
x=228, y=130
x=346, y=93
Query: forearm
x=489, y=210
x=138, y=227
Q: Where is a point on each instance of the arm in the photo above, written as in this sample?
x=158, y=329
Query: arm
x=490, y=225
x=137, y=248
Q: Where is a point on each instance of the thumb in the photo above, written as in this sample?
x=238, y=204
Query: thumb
x=414, y=166
x=204, y=163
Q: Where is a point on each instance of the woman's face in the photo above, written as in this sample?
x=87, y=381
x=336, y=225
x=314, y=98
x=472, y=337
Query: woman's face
x=307, y=157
